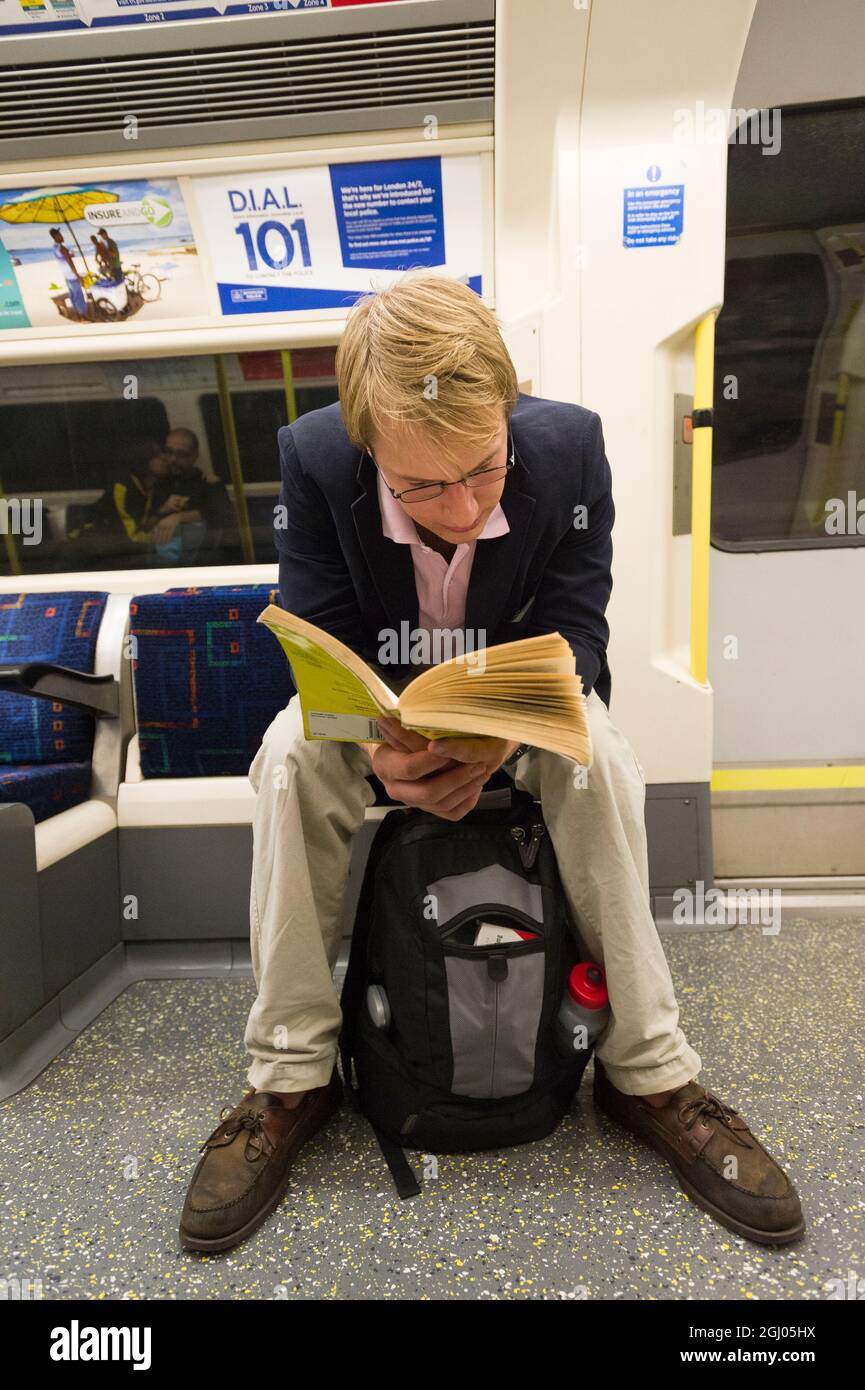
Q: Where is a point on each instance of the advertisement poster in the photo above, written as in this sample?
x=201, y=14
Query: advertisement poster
x=97, y=253
x=317, y=238
x=48, y=16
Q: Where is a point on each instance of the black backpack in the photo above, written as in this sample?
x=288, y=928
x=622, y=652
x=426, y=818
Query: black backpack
x=453, y=1043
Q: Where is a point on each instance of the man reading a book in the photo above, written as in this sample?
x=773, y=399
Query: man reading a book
x=436, y=495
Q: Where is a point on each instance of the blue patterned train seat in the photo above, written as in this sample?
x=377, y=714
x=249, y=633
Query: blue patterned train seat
x=46, y=746
x=209, y=679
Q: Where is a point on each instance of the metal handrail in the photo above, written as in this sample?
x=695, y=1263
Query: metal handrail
x=701, y=493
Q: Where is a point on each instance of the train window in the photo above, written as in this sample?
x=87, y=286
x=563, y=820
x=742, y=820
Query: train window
x=257, y=417
x=124, y=464
x=789, y=426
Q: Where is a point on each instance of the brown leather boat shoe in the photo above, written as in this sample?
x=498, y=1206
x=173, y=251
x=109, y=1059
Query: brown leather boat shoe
x=700, y=1137
x=246, y=1165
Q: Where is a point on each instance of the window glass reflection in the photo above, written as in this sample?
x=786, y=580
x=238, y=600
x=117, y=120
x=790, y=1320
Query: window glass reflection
x=124, y=465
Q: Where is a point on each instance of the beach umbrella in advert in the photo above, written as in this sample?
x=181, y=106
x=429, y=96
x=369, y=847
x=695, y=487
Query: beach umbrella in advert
x=56, y=205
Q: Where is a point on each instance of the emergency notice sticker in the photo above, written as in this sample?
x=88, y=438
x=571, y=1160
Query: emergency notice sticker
x=653, y=215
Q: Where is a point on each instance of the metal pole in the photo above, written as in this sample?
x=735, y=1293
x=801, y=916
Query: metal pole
x=288, y=381
x=71, y=229
x=231, y=448
x=701, y=495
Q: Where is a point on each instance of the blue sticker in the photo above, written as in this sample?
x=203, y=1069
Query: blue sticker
x=389, y=213
x=273, y=299
x=653, y=215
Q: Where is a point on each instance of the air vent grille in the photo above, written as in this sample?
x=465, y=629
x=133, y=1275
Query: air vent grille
x=262, y=83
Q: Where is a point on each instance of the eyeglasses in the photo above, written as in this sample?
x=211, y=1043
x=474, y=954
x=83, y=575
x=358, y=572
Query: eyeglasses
x=427, y=491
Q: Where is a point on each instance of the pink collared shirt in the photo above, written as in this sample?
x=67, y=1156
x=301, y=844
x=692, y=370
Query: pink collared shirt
x=442, y=588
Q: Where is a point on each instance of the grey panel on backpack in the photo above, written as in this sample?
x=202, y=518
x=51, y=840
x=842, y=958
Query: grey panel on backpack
x=492, y=884
x=494, y=1024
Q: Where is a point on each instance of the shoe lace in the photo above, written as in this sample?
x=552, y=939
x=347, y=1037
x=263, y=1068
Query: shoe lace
x=250, y=1120
x=711, y=1107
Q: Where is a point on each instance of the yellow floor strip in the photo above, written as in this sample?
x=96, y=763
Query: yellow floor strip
x=766, y=779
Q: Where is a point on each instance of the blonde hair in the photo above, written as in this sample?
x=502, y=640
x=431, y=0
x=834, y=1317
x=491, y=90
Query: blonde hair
x=427, y=354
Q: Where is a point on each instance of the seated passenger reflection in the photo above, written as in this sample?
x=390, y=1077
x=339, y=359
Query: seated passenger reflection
x=138, y=520
x=206, y=495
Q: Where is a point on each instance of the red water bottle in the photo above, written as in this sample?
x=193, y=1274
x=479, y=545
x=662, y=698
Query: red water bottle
x=585, y=1010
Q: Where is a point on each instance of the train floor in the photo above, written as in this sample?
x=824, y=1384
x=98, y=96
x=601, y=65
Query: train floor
x=99, y=1149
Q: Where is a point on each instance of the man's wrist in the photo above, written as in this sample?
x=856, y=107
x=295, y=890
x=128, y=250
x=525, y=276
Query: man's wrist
x=518, y=752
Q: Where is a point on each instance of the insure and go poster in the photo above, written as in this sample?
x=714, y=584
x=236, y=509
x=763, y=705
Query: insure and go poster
x=96, y=252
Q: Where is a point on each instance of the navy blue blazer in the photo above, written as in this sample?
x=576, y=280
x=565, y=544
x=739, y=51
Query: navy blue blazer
x=338, y=570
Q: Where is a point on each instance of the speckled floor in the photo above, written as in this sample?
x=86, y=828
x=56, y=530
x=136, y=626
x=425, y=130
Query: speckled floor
x=98, y=1152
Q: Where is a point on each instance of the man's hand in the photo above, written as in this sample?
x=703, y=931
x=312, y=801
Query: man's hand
x=164, y=529
x=174, y=503
x=488, y=752
x=445, y=786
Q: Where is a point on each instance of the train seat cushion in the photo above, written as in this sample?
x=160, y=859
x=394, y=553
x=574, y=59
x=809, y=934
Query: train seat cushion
x=47, y=788
x=56, y=627
x=208, y=679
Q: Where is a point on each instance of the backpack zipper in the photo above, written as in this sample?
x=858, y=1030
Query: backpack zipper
x=493, y=953
x=496, y=978
x=480, y=910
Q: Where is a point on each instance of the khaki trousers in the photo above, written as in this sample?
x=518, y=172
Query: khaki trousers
x=310, y=802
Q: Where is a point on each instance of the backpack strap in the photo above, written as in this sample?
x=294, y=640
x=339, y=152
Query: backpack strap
x=497, y=798
x=352, y=985
x=401, y=1170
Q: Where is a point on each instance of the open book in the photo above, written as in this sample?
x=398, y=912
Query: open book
x=527, y=691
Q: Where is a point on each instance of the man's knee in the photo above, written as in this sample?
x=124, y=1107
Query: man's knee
x=613, y=769
x=606, y=739
x=279, y=745
x=286, y=753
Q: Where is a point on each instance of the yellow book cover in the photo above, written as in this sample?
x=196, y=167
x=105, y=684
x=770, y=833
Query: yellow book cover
x=526, y=691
